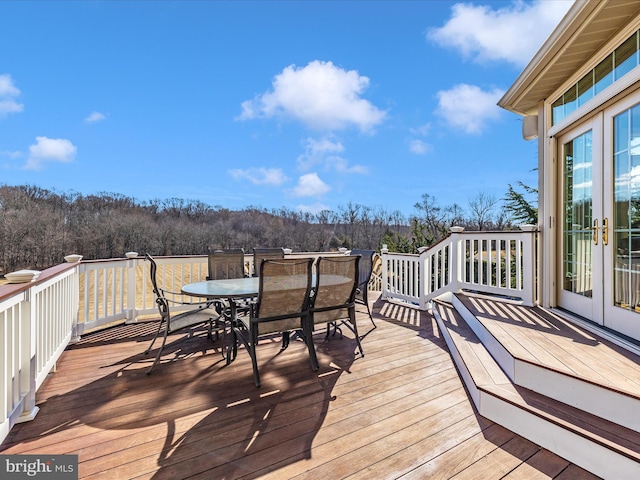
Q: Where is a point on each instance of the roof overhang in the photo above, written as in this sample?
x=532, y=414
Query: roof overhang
x=585, y=29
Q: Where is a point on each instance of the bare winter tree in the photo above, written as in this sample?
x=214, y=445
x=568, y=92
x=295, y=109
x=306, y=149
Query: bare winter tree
x=482, y=207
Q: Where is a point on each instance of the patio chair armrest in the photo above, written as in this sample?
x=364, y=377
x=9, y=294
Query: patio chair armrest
x=170, y=297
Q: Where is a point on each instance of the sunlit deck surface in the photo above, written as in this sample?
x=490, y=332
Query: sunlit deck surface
x=400, y=411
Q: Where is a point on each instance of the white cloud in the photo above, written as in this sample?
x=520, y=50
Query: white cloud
x=314, y=208
x=319, y=152
x=468, y=107
x=50, y=150
x=419, y=147
x=11, y=155
x=8, y=91
x=260, y=176
x=513, y=33
x=310, y=185
x=94, y=117
x=320, y=95
x=422, y=130
x=315, y=152
x=340, y=165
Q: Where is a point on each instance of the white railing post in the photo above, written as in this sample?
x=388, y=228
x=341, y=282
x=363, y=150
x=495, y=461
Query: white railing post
x=131, y=269
x=28, y=359
x=528, y=264
x=75, y=300
x=456, y=259
x=384, y=252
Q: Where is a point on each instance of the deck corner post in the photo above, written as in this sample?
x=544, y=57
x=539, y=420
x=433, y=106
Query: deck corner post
x=131, y=312
x=28, y=359
x=384, y=252
x=528, y=263
x=455, y=259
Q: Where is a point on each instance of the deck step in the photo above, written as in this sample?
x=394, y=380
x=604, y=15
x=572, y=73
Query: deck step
x=599, y=445
x=545, y=353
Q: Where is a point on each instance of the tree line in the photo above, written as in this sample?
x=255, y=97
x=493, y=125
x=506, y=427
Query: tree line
x=38, y=227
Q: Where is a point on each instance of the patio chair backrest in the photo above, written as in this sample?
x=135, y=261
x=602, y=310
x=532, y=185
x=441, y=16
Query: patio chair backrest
x=284, y=292
x=336, y=283
x=260, y=253
x=365, y=268
x=226, y=263
x=161, y=301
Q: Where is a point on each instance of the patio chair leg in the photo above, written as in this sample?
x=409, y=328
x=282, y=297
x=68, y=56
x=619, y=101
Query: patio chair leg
x=308, y=337
x=365, y=297
x=354, y=327
x=154, y=337
x=157, y=359
x=232, y=348
x=286, y=338
x=254, y=362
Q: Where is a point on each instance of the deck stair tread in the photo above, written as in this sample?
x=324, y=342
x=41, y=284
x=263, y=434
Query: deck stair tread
x=488, y=377
x=538, y=336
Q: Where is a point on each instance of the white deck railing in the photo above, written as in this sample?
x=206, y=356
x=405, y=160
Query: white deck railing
x=499, y=263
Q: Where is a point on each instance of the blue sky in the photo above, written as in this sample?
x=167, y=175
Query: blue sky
x=306, y=105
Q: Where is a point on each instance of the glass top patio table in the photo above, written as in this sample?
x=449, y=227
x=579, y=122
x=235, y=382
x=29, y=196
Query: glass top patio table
x=228, y=288
x=238, y=287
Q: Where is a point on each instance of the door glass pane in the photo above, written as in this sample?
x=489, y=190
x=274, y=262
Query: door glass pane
x=626, y=214
x=578, y=204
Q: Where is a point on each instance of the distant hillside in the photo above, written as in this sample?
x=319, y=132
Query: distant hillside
x=39, y=227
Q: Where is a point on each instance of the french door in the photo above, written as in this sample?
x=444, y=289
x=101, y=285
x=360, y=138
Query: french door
x=599, y=212
x=580, y=213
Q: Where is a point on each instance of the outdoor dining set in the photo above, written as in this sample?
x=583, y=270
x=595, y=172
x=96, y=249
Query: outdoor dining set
x=290, y=297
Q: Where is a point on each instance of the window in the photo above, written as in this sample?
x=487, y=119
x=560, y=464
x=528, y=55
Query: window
x=617, y=64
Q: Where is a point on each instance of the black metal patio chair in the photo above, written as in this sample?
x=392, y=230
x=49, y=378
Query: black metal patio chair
x=282, y=306
x=365, y=270
x=199, y=313
x=226, y=263
x=335, y=292
x=260, y=253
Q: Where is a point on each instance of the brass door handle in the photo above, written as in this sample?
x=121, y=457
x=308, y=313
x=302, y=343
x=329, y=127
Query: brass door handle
x=595, y=231
x=605, y=231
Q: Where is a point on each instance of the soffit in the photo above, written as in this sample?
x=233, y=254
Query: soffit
x=586, y=28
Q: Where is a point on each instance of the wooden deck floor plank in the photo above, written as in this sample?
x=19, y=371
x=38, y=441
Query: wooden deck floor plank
x=542, y=465
x=573, y=472
x=446, y=463
x=500, y=461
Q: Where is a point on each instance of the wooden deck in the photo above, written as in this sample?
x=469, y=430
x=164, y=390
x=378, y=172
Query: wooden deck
x=400, y=411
